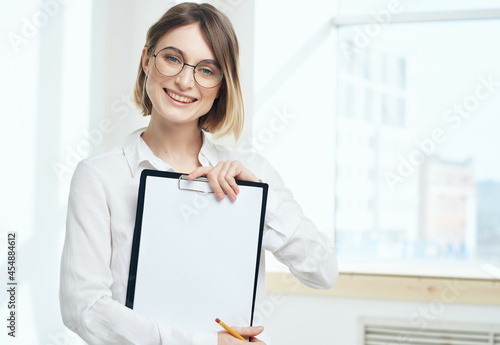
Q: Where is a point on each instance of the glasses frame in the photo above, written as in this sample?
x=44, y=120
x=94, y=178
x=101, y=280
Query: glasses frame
x=184, y=64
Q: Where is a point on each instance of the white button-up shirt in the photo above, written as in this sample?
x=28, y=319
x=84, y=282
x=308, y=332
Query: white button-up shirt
x=99, y=231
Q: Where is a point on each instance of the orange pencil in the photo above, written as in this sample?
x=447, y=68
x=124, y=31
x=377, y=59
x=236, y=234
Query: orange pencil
x=230, y=330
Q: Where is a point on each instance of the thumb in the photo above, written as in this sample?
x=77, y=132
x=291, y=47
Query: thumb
x=247, y=332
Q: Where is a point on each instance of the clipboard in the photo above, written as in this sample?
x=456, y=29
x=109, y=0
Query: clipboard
x=194, y=257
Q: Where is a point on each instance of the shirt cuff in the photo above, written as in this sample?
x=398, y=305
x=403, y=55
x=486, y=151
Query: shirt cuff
x=205, y=338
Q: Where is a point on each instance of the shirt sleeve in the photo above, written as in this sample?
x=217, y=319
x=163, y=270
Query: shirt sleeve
x=87, y=304
x=293, y=238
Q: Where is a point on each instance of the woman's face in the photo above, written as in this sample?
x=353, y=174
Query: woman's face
x=179, y=99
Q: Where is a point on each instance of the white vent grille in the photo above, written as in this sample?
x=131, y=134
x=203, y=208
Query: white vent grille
x=382, y=331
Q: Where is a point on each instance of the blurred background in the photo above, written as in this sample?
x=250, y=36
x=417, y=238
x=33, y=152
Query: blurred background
x=381, y=116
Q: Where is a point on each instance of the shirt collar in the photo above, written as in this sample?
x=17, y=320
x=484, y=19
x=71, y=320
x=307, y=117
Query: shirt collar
x=136, y=151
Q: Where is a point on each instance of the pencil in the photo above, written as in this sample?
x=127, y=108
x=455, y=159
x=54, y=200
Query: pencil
x=230, y=330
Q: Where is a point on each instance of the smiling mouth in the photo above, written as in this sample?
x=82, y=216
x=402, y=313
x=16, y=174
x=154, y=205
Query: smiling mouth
x=179, y=98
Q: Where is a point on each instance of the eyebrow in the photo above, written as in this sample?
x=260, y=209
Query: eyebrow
x=180, y=51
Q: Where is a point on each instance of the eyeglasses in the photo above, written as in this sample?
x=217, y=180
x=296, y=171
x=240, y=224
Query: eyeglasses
x=170, y=62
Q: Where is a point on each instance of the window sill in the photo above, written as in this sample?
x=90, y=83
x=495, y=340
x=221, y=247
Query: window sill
x=422, y=269
x=477, y=288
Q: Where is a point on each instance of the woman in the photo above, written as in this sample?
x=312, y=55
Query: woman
x=188, y=82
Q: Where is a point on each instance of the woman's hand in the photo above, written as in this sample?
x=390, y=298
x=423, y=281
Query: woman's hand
x=222, y=177
x=246, y=332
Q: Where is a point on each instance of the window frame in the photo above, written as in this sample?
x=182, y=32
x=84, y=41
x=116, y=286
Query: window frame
x=483, y=287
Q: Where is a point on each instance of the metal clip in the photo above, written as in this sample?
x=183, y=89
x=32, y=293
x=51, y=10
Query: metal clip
x=200, y=179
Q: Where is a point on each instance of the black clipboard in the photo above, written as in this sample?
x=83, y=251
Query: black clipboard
x=181, y=223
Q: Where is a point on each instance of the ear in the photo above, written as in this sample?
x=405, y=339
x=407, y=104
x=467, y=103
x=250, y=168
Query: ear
x=145, y=59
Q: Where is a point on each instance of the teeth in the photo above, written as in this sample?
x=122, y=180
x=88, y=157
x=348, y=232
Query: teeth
x=180, y=98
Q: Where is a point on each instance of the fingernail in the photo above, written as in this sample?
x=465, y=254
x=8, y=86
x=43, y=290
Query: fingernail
x=220, y=196
x=232, y=197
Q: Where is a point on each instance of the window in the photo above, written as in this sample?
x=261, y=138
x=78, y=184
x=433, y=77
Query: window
x=371, y=7
x=425, y=96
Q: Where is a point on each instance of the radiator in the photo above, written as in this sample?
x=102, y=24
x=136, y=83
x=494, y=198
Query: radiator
x=387, y=331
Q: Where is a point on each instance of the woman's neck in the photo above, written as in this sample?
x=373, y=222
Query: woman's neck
x=176, y=144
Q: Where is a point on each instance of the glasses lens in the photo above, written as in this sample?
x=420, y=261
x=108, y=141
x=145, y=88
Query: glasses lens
x=169, y=62
x=208, y=73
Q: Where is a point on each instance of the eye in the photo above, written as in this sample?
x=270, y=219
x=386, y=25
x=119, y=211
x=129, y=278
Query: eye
x=206, y=71
x=172, y=59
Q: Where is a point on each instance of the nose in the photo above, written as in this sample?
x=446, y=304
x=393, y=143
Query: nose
x=185, y=79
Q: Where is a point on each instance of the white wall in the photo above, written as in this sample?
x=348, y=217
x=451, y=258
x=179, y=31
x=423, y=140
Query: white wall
x=320, y=321
x=294, y=89
x=35, y=106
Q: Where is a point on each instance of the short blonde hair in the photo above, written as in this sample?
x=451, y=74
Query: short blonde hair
x=227, y=113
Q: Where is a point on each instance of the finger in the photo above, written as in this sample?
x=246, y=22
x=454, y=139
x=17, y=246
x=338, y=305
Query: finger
x=214, y=183
x=247, y=332
x=224, y=179
x=257, y=340
x=198, y=172
x=234, y=170
x=243, y=173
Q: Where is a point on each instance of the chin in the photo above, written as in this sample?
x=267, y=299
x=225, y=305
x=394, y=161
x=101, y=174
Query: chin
x=177, y=118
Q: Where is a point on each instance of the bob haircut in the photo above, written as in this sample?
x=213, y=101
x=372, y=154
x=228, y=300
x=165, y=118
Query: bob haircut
x=227, y=114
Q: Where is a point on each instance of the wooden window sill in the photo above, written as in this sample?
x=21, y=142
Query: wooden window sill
x=412, y=287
